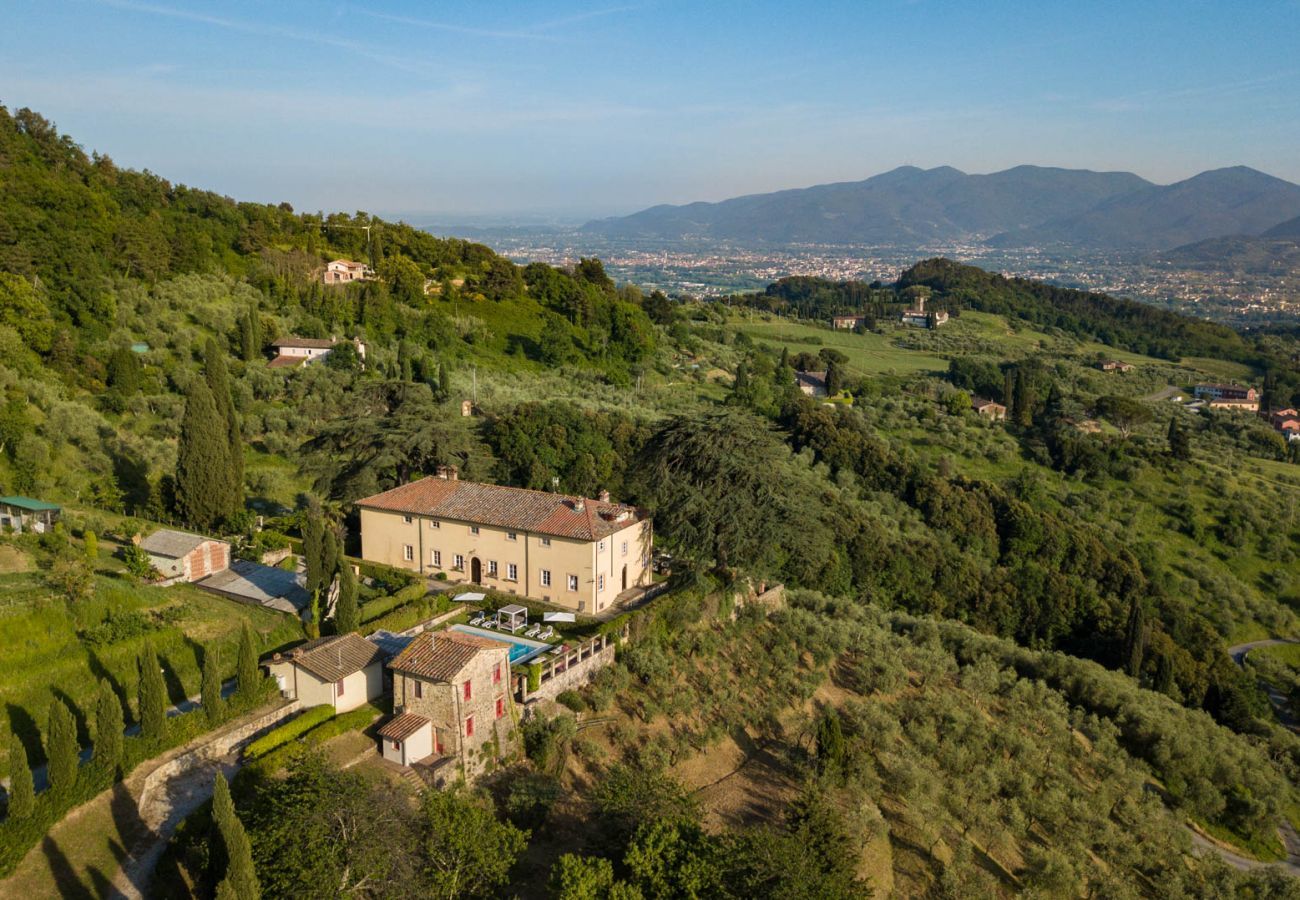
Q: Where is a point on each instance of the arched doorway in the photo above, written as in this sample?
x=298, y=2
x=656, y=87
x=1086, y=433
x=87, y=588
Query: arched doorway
x=475, y=570
x=625, y=577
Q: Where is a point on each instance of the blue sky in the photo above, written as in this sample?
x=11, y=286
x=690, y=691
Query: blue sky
x=576, y=109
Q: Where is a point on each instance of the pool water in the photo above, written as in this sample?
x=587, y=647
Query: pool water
x=521, y=649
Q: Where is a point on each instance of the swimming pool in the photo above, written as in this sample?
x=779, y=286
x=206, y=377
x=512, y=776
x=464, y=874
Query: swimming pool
x=521, y=649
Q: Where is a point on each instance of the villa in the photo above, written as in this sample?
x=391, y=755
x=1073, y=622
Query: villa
x=919, y=318
x=295, y=351
x=575, y=552
x=342, y=271
x=1228, y=396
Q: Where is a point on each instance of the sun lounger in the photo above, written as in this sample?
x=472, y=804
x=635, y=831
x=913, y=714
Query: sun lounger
x=546, y=633
x=532, y=631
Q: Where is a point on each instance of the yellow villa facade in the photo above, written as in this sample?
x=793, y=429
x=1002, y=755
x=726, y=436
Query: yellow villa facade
x=574, y=552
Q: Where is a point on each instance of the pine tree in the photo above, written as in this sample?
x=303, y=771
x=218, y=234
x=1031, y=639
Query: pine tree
x=214, y=707
x=22, y=791
x=63, y=751
x=218, y=377
x=90, y=545
x=108, y=729
x=1180, y=445
x=249, y=676
x=241, y=878
x=347, y=614
x=202, y=461
x=153, y=696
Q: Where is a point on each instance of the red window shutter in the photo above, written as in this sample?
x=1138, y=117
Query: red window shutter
x=501, y=707
x=496, y=674
x=467, y=690
x=339, y=685
x=469, y=726
x=419, y=690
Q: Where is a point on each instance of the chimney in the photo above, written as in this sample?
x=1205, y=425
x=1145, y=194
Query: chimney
x=579, y=504
x=447, y=473
x=920, y=304
x=603, y=496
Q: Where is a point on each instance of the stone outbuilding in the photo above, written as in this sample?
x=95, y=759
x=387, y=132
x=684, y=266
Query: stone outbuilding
x=181, y=556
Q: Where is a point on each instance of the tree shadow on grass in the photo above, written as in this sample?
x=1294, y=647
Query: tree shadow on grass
x=102, y=672
x=69, y=886
x=22, y=724
x=130, y=826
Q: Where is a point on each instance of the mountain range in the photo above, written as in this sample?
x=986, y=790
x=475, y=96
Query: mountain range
x=1026, y=206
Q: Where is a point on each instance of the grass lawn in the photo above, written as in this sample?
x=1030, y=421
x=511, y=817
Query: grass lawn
x=1287, y=653
x=57, y=649
x=869, y=354
x=1220, y=368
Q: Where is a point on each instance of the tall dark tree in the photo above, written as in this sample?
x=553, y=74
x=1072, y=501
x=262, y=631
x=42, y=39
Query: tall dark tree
x=203, y=468
x=250, y=333
x=347, y=614
x=153, y=696
x=248, y=674
x=61, y=747
x=217, y=374
x=1135, y=638
x=313, y=548
x=214, y=705
x=240, y=881
x=1180, y=443
x=108, y=729
x=22, y=791
x=834, y=378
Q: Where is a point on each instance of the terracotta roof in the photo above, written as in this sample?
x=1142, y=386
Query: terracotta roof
x=980, y=403
x=517, y=509
x=441, y=655
x=399, y=728
x=282, y=362
x=172, y=544
x=305, y=343
x=336, y=657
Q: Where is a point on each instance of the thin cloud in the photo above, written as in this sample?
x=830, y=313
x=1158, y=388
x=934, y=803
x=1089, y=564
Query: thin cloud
x=530, y=33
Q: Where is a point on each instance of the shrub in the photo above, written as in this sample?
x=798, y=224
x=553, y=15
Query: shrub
x=376, y=608
x=573, y=700
x=285, y=733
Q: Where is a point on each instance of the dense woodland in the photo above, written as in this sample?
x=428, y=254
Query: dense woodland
x=1088, y=576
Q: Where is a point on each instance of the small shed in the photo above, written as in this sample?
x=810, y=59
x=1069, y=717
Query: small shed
x=181, y=556
x=406, y=739
x=22, y=513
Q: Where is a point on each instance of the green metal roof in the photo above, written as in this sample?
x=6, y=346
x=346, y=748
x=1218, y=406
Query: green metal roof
x=28, y=503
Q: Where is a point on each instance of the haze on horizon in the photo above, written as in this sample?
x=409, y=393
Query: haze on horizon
x=590, y=109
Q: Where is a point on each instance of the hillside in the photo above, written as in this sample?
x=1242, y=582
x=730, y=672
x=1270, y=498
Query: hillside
x=908, y=206
x=1221, y=202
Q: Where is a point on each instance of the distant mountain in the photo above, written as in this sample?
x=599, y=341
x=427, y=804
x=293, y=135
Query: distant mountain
x=904, y=206
x=1234, y=201
x=1288, y=229
x=1276, y=252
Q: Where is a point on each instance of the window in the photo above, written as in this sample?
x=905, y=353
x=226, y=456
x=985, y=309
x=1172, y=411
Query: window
x=473, y=529
x=546, y=577
x=435, y=557
x=407, y=519
x=468, y=690
x=511, y=536
x=625, y=548
x=339, y=686
x=419, y=690
x=600, y=582
x=573, y=582
x=546, y=542
x=512, y=572
x=469, y=726
x=459, y=562
x=434, y=524
x=397, y=745
x=492, y=568
x=408, y=552
x=501, y=707
x=601, y=547
x=496, y=674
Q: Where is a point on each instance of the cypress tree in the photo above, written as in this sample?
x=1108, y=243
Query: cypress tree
x=444, y=382
x=214, y=707
x=241, y=878
x=217, y=376
x=22, y=792
x=347, y=614
x=1180, y=447
x=313, y=547
x=90, y=545
x=202, y=461
x=249, y=676
x=331, y=553
x=153, y=696
x=1135, y=638
x=108, y=729
x=63, y=750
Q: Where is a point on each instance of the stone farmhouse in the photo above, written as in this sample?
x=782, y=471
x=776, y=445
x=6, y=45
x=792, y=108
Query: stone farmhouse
x=344, y=671
x=296, y=351
x=811, y=383
x=342, y=271
x=451, y=699
x=919, y=318
x=989, y=409
x=181, y=556
x=847, y=322
x=1228, y=396
x=574, y=552
x=1114, y=365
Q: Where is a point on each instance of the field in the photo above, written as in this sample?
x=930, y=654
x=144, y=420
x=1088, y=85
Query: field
x=869, y=354
x=54, y=648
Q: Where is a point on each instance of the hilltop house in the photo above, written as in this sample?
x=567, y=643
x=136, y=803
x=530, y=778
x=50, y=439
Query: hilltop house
x=988, y=409
x=571, y=551
x=919, y=318
x=343, y=671
x=21, y=514
x=295, y=351
x=181, y=556
x=342, y=271
x=1286, y=421
x=847, y=322
x=811, y=383
x=451, y=698
x=1228, y=396
x=1114, y=365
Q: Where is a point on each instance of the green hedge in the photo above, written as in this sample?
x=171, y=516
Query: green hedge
x=376, y=608
x=409, y=615
x=287, y=732
x=355, y=720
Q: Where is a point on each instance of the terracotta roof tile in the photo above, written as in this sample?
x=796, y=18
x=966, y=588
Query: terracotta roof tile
x=517, y=509
x=399, y=728
x=336, y=657
x=441, y=655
